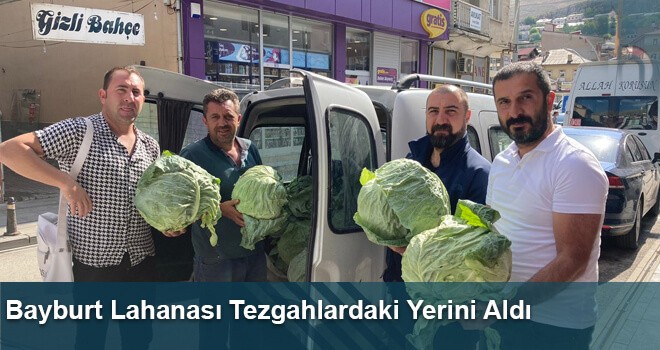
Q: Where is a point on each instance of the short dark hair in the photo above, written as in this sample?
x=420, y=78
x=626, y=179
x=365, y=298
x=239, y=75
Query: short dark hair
x=525, y=67
x=111, y=72
x=220, y=96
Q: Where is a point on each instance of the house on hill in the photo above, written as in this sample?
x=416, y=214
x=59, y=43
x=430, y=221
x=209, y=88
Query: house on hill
x=588, y=47
x=528, y=53
x=561, y=66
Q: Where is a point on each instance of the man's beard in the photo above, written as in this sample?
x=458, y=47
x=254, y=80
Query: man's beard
x=539, y=125
x=443, y=141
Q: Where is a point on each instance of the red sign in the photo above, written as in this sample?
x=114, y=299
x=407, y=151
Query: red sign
x=443, y=4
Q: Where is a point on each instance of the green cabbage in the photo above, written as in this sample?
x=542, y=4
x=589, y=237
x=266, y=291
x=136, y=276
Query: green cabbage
x=299, y=195
x=298, y=267
x=262, y=199
x=463, y=249
x=294, y=239
x=174, y=192
x=255, y=230
x=399, y=200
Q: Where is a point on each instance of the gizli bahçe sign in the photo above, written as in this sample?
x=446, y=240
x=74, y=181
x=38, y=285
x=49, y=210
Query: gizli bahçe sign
x=79, y=24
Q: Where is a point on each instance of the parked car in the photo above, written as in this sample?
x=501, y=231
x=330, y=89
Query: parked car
x=633, y=176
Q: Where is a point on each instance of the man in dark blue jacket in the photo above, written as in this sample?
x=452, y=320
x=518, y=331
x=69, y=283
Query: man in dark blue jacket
x=445, y=150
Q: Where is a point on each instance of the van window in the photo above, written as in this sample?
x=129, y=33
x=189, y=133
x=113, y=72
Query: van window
x=499, y=140
x=352, y=148
x=196, y=129
x=147, y=120
x=280, y=147
x=473, y=139
x=621, y=112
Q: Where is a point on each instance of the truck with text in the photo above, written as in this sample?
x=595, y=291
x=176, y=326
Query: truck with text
x=618, y=94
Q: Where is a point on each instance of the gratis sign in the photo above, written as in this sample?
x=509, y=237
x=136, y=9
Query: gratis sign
x=78, y=24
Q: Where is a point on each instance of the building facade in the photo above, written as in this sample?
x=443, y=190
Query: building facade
x=44, y=81
x=245, y=44
x=561, y=66
x=479, y=42
x=251, y=44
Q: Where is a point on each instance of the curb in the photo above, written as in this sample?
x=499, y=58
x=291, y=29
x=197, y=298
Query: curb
x=28, y=236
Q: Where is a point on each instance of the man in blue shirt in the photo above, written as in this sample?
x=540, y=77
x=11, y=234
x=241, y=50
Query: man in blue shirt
x=227, y=157
x=445, y=150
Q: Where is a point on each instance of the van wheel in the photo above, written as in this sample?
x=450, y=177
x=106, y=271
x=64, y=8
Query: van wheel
x=655, y=210
x=631, y=239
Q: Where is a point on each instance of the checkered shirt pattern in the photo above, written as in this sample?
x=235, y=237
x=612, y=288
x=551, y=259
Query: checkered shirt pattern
x=110, y=176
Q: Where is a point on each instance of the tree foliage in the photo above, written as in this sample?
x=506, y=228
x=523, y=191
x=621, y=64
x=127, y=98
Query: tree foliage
x=529, y=21
x=535, y=38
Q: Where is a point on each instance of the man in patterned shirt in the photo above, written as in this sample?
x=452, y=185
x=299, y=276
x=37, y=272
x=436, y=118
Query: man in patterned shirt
x=111, y=242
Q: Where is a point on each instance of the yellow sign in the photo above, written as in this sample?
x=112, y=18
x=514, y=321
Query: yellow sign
x=434, y=22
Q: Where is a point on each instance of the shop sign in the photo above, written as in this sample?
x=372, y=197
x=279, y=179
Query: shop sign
x=386, y=75
x=475, y=18
x=434, y=22
x=79, y=24
x=443, y=4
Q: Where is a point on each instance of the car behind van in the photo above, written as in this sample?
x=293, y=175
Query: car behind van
x=622, y=95
x=330, y=131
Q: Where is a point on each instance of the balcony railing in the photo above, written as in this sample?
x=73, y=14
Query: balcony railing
x=471, y=18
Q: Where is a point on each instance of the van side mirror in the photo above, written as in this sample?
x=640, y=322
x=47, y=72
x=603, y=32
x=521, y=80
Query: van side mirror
x=656, y=157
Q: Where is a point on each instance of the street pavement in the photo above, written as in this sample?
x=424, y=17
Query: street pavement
x=629, y=317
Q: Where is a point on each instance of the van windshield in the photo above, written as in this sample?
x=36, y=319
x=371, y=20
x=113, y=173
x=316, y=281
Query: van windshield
x=621, y=112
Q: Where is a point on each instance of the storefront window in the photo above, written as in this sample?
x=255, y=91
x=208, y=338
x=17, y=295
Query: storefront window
x=276, y=47
x=232, y=46
x=358, y=50
x=409, y=56
x=231, y=40
x=312, y=45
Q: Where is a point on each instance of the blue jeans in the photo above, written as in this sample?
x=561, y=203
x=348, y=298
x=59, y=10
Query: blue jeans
x=248, y=269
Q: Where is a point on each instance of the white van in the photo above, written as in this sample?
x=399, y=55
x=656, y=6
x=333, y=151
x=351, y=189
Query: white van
x=331, y=131
x=621, y=95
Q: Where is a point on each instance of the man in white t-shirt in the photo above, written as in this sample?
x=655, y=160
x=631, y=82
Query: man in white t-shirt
x=550, y=192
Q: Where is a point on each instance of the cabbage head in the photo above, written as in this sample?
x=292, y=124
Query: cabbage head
x=459, y=250
x=261, y=193
x=399, y=200
x=464, y=249
x=174, y=192
x=262, y=199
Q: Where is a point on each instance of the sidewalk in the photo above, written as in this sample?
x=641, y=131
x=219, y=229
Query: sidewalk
x=27, y=213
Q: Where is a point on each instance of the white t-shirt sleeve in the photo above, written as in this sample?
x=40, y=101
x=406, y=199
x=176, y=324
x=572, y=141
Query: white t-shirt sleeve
x=581, y=186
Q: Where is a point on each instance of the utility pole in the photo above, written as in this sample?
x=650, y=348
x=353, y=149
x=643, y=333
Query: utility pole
x=514, y=38
x=617, y=38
